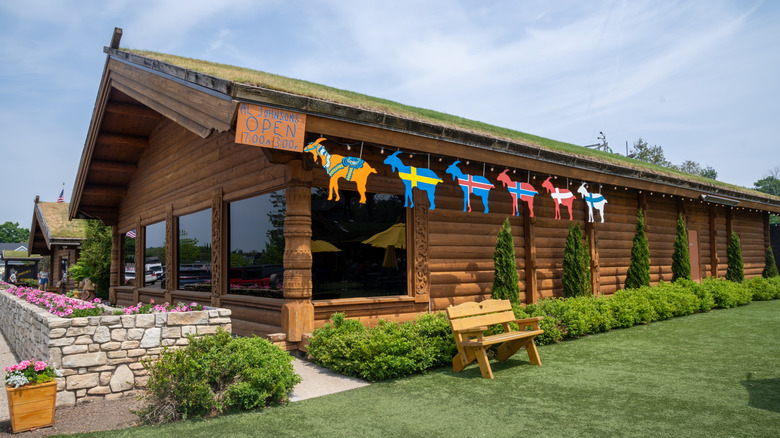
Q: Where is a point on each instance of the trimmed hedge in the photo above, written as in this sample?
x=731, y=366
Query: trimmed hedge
x=393, y=350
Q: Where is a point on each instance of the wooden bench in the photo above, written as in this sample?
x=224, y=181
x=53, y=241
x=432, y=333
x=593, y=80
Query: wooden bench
x=469, y=321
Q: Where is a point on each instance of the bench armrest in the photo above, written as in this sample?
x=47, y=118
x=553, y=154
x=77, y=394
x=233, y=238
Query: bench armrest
x=534, y=321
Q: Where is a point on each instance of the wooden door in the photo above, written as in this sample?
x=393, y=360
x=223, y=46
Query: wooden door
x=693, y=250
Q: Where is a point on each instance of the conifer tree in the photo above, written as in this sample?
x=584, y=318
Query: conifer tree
x=638, y=274
x=506, y=283
x=576, y=264
x=681, y=258
x=735, y=270
x=770, y=266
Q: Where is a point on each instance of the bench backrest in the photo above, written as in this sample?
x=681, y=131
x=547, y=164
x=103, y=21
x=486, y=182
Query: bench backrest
x=469, y=315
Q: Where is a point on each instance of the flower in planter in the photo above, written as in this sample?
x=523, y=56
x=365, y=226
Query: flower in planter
x=29, y=372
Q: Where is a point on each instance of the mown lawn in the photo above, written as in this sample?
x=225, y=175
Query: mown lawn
x=714, y=374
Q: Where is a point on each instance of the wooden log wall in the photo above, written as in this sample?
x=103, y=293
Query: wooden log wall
x=616, y=237
x=749, y=227
x=661, y=225
x=180, y=173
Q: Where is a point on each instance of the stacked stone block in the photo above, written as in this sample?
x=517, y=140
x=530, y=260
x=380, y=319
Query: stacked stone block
x=100, y=356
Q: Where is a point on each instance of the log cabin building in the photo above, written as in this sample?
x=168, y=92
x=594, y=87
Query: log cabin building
x=53, y=235
x=236, y=185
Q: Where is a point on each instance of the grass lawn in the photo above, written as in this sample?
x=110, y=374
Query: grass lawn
x=715, y=374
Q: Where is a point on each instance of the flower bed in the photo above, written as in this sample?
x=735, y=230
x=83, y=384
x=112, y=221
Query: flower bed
x=99, y=356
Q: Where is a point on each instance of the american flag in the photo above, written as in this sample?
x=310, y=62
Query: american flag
x=61, y=198
x=131, y=234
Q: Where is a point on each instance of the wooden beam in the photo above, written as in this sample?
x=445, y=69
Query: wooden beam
x=591, y=231
x=220, y=264
x=104, y=190
x=132, y=110
x=119, y=140
x=714, y=260
x=113, y=166
x=107, y=215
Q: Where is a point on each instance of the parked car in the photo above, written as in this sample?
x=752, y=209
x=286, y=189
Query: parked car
x=256, y=275
x=149, y=277
x=193, y=276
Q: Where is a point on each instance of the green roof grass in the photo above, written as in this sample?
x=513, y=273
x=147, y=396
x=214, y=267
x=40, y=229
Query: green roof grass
x=55, y=214
x=271, y=81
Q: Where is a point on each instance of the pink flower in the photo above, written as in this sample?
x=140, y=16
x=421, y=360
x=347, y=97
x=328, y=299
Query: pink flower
x=23, y=365
x=40, y=365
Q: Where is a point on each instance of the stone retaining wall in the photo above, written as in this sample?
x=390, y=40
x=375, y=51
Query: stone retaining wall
x=99, y=356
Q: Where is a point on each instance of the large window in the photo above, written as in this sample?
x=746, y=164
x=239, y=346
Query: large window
x=343, y=265
x=153, y=271
x=195, y=251
x=257, y=245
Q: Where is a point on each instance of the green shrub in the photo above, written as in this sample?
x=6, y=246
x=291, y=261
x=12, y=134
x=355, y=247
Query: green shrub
x=706, y=301
x=762, y=289
x=725, y=293
x=681, y=258
x=638, y=274
x=389, y=350
x=576, y=264
x=735, y=267
x=506, y=284
x=770, y=266
x=553, y=329
x=216, y=374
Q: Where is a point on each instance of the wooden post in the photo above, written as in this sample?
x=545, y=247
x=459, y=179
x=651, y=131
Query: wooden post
x=219, y=264
x=531, y=286
x=297, y=310
x=714, y=260
x=171, y=255
x=140, y=253
x=591, y=231
x=117, y=249
x=767, y=242
x=729, y=223
x=421, y=278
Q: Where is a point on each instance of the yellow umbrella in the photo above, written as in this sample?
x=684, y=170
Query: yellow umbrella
x=394, y=236
x=389, y=260
x=323, y=246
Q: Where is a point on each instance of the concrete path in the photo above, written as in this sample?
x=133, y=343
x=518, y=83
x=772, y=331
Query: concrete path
x=317, y=381
x=7, y=358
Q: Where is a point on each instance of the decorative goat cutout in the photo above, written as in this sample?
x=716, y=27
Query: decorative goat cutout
x=338, y=166
x=423, y=179
x=479, y=185
x=594, y=200
x=520, y=191
x=560, y=196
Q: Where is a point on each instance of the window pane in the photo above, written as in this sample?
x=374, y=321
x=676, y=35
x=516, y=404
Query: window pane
x=345, y=267
x=154, y=257
x=128, y=276
x=257, y=245
x=195, y=251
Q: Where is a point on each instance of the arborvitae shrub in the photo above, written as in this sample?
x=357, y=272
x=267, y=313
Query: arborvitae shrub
x=638, y=274
x=735, y=270
x=506, y=284
x=770, y=266
x=576, y=264
x=681, y=259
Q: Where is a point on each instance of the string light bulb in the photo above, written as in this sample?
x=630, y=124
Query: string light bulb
x=382, y=151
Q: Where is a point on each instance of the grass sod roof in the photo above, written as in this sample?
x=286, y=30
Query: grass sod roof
x=55, y=216
x=254, y=78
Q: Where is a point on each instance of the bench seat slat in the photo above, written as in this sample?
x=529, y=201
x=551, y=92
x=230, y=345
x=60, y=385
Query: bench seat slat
x=482, y=320
x=501, y=337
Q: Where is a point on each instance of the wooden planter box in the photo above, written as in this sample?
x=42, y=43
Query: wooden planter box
x=32, y=406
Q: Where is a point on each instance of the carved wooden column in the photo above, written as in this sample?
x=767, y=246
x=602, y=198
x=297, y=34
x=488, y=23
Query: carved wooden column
x=421, y=280
x=117, y=251
x=218, y=255
x=298, y=310
x=171, y=261
x=530, y=257
x=140, y=253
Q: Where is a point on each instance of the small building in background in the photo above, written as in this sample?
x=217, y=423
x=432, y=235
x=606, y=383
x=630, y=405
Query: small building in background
x=53, y=235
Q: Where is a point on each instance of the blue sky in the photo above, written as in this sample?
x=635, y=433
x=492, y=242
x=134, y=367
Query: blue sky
x=699, y=78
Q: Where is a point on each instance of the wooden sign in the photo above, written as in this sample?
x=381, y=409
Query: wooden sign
x=270, y=127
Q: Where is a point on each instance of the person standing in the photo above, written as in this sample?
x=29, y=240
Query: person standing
x=43, y=279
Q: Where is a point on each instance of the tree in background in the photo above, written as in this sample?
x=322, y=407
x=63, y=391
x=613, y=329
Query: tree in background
x=642, y=151
x=681, y=258
x=639, y=268
x=95, y=258
x=506, y=283
x=10, y=232
x=576, y=264
x=770, y=266
x=735, y=270
x=770, y=184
